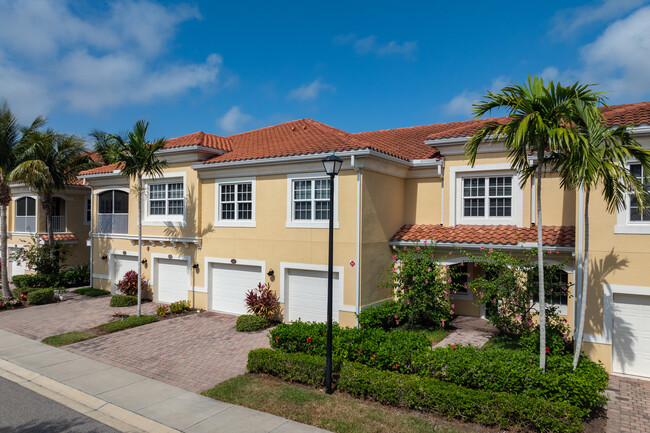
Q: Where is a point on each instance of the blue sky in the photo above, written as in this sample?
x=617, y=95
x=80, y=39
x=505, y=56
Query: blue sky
x=227, y=67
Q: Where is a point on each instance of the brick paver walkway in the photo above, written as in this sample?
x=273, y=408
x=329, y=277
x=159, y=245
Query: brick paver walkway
x=76, y=313
x=629, y=407
x=469, y=330
x=194, y=352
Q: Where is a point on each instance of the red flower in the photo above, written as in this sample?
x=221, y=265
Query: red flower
x=548, y=350
x=373, y=356
x=453, y=347
x=360, y=352
x=308, y=339
x=276, y=338
x=395, y=366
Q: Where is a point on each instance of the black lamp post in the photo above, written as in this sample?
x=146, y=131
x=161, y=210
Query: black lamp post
x=332, y=166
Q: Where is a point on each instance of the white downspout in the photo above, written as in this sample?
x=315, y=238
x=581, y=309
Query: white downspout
x=580, y=245
x=90, y=233
x=358, y=250
x=442, y=196
x=532, y=201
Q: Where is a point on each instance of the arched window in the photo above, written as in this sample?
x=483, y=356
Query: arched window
x=113, y=212
x=25, y=215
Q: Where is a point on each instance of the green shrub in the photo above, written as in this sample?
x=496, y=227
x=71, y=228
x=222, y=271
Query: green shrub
x=40, y=297
x=297, y=367
x=372, y=346
x=24, y=291
x=516, y=371
x=75, y=277
x=179, y=306
x=385, y=316
x=40, y=281
x=126, y=323
x=89, y=291
x=123, y=301
x=250, y=323
x=484, y=407
x=162, y=310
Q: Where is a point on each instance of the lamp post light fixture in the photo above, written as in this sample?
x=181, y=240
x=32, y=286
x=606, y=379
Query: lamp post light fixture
x=332, y=165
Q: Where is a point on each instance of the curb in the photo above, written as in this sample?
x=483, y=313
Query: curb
x=86, y=404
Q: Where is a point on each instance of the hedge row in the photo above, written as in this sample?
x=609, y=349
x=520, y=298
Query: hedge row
x=69, y=278
x=414, y=392
x=40, y=297
x=498, y=370
x=250, y=323
x=297, y=367
x=123, y=301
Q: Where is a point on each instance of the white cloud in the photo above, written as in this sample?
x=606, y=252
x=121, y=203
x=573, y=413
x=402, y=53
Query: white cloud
x=310, y=91
x=233, y=120
x=461, y=104
x=370, y=45
x=568, y=21
x=618, y=60
x=51, y=55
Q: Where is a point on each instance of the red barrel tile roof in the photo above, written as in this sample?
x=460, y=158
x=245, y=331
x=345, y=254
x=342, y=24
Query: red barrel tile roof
x=60, y=237
x=101, y=170
x=200, y=139
x=563, y=236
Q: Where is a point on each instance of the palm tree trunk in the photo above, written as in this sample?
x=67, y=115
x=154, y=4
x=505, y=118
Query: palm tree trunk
x=139, y=195
x=584, y=289
x=6, y=293
x=48, y=207
x=540, y=264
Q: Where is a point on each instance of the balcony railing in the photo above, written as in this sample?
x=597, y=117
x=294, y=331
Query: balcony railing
x=113, y=223
x=25, y=224
x=58, y=224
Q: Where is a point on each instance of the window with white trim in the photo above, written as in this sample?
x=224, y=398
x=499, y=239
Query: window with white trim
x=166, y=199
x=87, y=210
x=636, y=215
x=25, y=215
x=485, y=197
x=236, y=201
x=311, y=199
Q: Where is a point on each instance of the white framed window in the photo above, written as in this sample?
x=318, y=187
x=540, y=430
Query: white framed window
x=484, y=195
x=164, y=200
x=25, y=215
x=235, y=202
x=632, y=219
x=308, y=201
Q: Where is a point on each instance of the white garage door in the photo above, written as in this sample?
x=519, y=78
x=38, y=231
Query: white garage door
x=229, y=285
x=307, y=296
x=172, y=280
x=122, y=265
x=15, y=268
x=631, y=335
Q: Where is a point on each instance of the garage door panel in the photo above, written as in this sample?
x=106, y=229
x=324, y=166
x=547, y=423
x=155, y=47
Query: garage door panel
x=229, y=285
x=122, y=265
x=172, y=282
x=306, y=297
x=631, y=340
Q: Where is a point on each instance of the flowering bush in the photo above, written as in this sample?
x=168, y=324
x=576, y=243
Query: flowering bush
x=261, y=301
x=162, y=310
x=179, y=306
x=422, y=286
x=129, y=283
x=44, y=259
x=508, y=287
x=9, y=303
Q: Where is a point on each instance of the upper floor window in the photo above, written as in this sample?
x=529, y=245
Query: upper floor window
x=235, y=202
x=636, y=215
x=87, y=210
x=487, y=196
x=632, y=219
x=309, y=201
x=166, y=199
x=113, y=212
x=58, y=215
x=25, y=215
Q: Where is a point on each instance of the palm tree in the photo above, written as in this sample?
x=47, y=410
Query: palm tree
x=598, y=158
x=540, y=120
x=50, y=161
x=11, y=135
x=136, y=157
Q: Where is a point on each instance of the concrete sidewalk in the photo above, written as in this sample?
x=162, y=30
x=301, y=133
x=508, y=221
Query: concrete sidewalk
x=123, y=400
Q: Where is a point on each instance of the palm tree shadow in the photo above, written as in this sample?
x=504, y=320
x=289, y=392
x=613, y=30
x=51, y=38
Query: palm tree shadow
x=600, y=270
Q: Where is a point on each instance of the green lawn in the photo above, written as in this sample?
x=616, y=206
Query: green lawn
x=106, y=328
x=89, y=291
x=337, y=412
x=68, y=338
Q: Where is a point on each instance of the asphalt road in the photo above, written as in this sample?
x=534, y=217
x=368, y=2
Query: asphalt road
x=24, y=411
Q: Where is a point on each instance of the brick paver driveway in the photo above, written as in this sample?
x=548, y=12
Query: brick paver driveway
x=629, y=407
x=194, y=352
x=76, y=313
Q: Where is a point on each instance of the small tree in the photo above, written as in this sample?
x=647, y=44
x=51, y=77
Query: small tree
x=422, y=286
x=261, y=301
x=44, y=259
x=129, y=283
